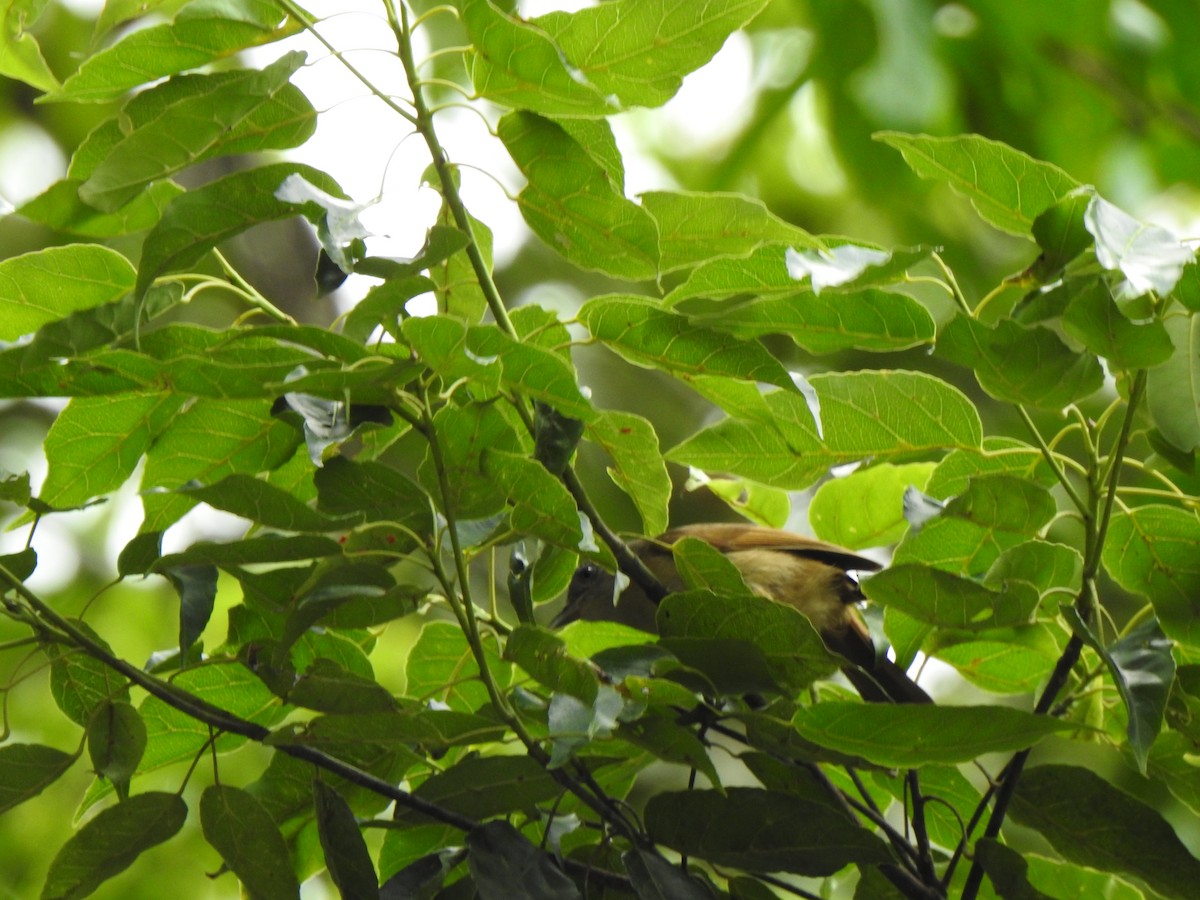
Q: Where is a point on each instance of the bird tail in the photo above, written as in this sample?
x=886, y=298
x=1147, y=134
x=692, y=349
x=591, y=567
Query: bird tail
x=886, y=682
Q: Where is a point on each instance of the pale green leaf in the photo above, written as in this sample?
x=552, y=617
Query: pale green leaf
x=1008, y=189
x=50, y=284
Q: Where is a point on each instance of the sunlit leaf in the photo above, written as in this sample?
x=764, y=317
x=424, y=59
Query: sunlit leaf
x=45, y=285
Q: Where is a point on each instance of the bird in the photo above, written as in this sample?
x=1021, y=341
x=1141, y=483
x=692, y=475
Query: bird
x=807, y=574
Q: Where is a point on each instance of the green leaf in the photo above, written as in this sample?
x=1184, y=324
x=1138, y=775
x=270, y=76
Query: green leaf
x=265, y=549
x=116, y=741
x=744, y=643
x=192, y=118
x=761, y=830
x=1008, y=189
x=535, y=371
x=327, y=687
x=209, y=440
x=1007, y=870
x=695, y=228
x=516, y=64
x=1143, y=668
x=442, y=667
x=1151, y=550
x=239, y=827
x=919, y=734
x=466, y=432
x=671, y=742
x=889, y=413
x=1092, y=823
x=346, y=854
x=420, y=729
x=95, y=444
x=994, y=514
x=485, y=786
x=258, y=501
x=28, y=769
x=1094, y=320
x=773, y=438
x=946, y=600
x=1173, y=388
x=80, y=683
x=866, y=507
x=60, y=208
x=544, y=655
x=1001, y=660
x=22, y=58
x=541, y=504
x=47, y=285
x=659, y=43
x=504, y=864
x=109, y=843
x=1060, y=233
x=195, y=222
x=648, y=335
x=867, y=319
x=656, y=879
x=1019, y=364
x=570, y=203
x=202, y=32
x=373, y=490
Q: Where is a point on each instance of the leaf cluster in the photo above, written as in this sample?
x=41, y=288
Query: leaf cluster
x=388, y=463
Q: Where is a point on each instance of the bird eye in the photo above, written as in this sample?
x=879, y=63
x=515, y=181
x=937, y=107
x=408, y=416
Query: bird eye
x=587, y=571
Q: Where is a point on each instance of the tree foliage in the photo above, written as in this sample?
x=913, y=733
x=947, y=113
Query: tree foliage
x=1023, y=443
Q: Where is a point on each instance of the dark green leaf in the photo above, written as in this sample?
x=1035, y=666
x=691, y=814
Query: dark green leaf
x=327, y=687
x=656, y=879
x=266, y=504
x=28, y=769
x=109, y=843
x=346, y=854
x=1094, y=319
x=760, y=831
x=506, y=866
x=1060, y=232
x=918, y=734
x=544, y=655
x=744, y=643
x=241, y=829
x=1007, y=871
x=80, y=683
x=941, y=598
x=485, y=786
x=116, y=741
x=427, y=730
x=197, y=589
x=1091, y=823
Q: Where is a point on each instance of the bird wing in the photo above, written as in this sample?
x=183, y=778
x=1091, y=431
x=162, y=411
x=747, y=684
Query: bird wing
x=728, y=537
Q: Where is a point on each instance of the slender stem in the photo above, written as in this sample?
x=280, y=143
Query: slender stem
x=1052, y=461
x=223, y=720
x=311, y=27
x=1098, y=514
x=441, y=164
x=252, y=295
